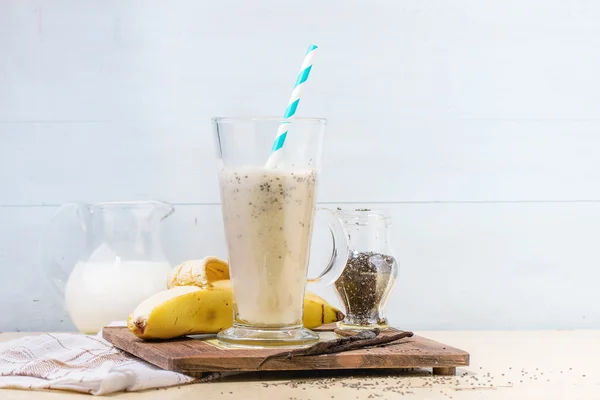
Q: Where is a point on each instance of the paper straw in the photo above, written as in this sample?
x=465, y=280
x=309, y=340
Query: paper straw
x=292, y=105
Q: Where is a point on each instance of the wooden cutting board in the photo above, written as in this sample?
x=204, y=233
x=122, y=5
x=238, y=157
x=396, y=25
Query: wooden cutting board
x=192, y=356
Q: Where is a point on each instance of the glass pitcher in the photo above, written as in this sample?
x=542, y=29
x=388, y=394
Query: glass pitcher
x=371, y=270
x=106, y=258
x=268, y=214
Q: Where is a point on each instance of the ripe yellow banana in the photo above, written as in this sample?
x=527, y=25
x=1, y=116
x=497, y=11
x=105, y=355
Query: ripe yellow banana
x=188, y=310
x=318, y=312
x=182, y=310
x=199, y=273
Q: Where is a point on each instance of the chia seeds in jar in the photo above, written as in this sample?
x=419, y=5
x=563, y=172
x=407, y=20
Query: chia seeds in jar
x=370, y=271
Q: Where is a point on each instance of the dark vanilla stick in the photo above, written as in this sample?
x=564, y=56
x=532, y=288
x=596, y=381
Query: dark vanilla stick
x=363, y=339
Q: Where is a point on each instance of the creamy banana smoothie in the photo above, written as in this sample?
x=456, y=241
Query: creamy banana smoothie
x=268, y=217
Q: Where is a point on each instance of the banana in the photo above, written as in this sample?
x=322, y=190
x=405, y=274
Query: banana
x=182, y=310
x=199, y=273
x=318, y=312
x=189, y=310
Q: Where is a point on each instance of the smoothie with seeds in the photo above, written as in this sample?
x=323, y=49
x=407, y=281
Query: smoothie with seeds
x=268, y=216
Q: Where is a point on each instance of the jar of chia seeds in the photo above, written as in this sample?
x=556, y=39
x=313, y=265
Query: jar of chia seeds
x=371, y=269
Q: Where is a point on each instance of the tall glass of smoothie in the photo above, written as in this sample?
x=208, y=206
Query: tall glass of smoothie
x=268, y=214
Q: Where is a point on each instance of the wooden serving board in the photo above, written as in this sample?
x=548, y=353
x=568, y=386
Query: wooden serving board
x=194, y=357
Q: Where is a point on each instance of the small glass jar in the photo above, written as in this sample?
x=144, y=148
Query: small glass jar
x=371, y=269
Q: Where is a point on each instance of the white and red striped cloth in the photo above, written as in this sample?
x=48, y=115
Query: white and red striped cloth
x=78, y=363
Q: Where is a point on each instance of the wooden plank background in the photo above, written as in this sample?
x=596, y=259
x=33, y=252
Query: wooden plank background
x=476, y=123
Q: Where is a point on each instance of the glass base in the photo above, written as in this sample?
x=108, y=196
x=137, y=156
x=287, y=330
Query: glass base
x=243, y=336
x=381, y=325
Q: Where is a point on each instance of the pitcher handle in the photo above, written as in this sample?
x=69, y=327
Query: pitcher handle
x=339, y=255
x=58, y=268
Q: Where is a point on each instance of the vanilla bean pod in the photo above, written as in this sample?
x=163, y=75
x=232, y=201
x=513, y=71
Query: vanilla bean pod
x=366, y=338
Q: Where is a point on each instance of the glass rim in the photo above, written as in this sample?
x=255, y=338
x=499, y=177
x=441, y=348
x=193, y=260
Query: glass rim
x=127, y=203
x=363, y=213
x=267, y=119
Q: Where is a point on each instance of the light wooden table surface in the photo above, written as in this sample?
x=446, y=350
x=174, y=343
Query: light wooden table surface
x=504, y=365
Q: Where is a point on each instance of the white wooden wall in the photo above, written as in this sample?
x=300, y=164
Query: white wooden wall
x=477, y=123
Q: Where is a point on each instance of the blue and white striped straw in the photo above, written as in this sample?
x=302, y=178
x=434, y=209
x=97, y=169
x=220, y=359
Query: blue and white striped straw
x=293, y=104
